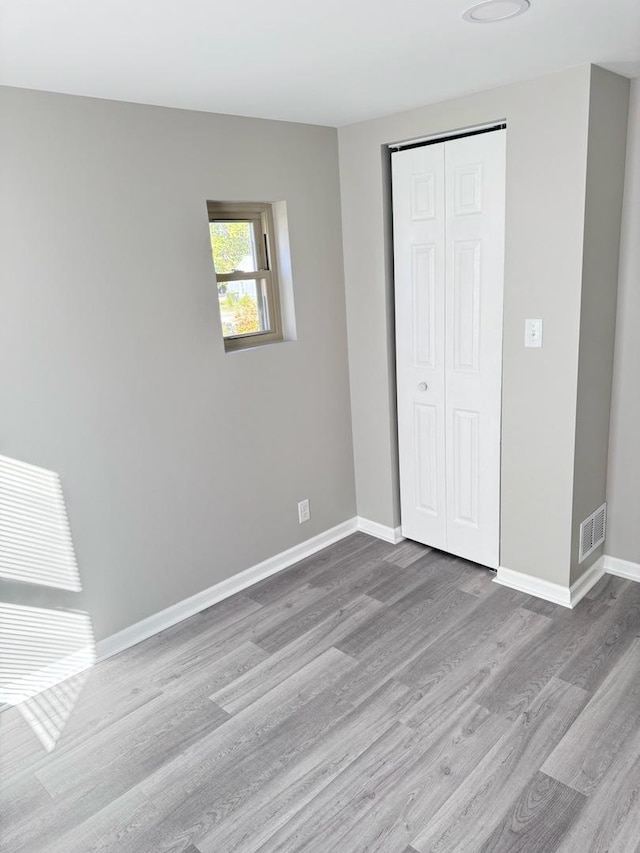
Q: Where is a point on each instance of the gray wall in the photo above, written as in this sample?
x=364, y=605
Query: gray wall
x=608, y=111
x=623, y=486
x=546, y=167
x=181, y=465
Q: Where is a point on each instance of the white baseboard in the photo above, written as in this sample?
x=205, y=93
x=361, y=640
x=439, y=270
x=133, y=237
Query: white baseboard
x=532, y=585
x=622, y=568
x=380, y=531
x=194, y=604
x=554, y=592
x=587, y=581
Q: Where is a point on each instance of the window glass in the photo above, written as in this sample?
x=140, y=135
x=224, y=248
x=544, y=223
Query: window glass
x=243, y=307
x=233, y=246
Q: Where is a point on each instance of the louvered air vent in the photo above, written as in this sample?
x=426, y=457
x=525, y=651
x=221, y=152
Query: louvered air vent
x=592, y=532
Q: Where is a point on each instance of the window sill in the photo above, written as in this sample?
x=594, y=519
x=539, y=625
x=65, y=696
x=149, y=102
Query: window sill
x=249, y=343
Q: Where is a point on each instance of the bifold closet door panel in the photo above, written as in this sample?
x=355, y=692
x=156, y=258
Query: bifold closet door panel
x=448, y=219
x=419, y=263
x=474, y=285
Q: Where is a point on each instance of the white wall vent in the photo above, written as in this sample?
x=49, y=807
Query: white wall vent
x=592, y=532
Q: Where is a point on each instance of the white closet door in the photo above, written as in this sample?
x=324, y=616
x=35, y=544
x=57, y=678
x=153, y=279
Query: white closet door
x=475, y=204
x=448, y=213
x=419, y=255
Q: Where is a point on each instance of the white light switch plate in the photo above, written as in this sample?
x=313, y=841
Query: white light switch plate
x=533, y=333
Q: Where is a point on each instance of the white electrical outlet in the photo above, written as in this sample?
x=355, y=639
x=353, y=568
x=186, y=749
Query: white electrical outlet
x=304, y=513
x=533, y=333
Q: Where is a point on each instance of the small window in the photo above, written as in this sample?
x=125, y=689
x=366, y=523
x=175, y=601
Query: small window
x=242, y=245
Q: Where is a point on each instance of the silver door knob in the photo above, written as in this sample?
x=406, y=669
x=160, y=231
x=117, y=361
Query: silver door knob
x=422, y=386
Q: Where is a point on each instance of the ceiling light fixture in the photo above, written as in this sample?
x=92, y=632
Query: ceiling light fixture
x=491, y=11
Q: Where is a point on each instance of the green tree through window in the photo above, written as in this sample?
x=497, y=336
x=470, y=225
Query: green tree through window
x=230, y=243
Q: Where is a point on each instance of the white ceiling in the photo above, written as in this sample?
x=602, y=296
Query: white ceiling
x=330, y=62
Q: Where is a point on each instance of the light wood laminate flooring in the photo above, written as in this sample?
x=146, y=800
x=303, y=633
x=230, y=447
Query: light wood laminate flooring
x=371, y=698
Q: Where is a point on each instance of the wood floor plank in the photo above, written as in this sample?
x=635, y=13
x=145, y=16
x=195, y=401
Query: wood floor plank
x=253, y=684
x=332, y=558
x=407, y=553
x=321, y=825
x=35, y=830
x=610, y=819
x=399, y=583
x=263, y=622
x=247, y=828
x=420, y=627
x=378, y=699
x=326, y=601
x=24, y=795
x=202, y=638
x=143, y=741
x=547, y=654
x=609, y=589
x=542, y=607
x=389, y=619
x=177, y=703
x=20, y=747
x=474, y=632
x=231, y=785
x=449, y=677
x=247, y=733
x=443, y=754
x=116, y=764
x=207, y=673
x=606, y=641
x=125, y=682
x=164, y=836
x=583, y=757
x=439, y=571
x=121, y=821
x=538, y=820
x=479, y=583
x=486, y=794
x=341, y=572
x=177, y=776
x=172, y=641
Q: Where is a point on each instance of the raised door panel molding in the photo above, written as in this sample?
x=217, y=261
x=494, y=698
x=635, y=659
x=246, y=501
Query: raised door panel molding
x=423, y=196
x=426, y=447
x=466, y=470
x=468, y=190
x=466, y=305
x=423, y=264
